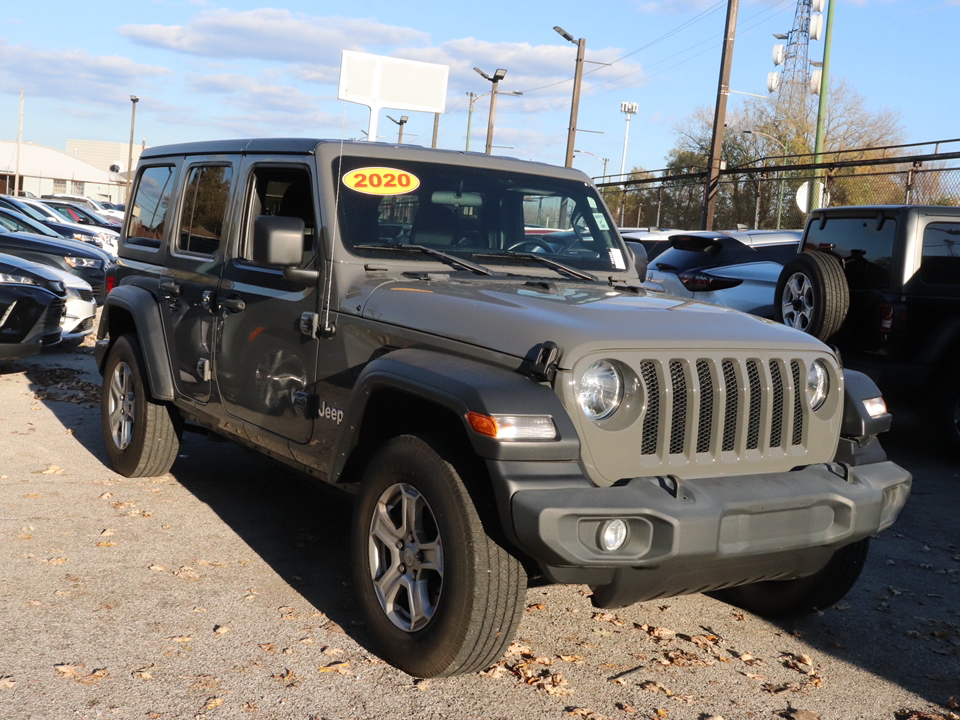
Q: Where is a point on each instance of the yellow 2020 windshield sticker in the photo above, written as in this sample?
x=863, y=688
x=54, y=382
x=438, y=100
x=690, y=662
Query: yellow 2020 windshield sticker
x=381, y=181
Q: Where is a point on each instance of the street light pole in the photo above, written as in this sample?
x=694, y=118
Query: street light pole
x=575, y=102
x=785, y=153
x=497, y=77
x=603, y=160
x=401, y=122
x=133, y=119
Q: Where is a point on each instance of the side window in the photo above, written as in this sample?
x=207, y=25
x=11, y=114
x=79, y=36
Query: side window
x=285, y=191
x=940, y=264
x=205, y=200
x=148, y=212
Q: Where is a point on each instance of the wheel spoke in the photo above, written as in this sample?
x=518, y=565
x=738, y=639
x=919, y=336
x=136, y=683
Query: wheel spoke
x=383, y=527
x=421, y=607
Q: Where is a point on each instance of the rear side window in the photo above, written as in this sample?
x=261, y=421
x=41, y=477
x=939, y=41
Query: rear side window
x=865, y=245
x=940, y=264
x=150, y=206
x=205, y=200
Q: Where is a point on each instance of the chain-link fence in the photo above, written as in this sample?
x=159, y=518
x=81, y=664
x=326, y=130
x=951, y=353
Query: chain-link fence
x=775, y=196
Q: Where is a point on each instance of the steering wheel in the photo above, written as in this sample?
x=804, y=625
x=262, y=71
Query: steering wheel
x=533, y=243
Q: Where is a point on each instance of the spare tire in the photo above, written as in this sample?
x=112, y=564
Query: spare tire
x=812, y=295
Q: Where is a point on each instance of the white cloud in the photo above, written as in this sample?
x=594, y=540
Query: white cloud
x=71, y=75
x=271, y=34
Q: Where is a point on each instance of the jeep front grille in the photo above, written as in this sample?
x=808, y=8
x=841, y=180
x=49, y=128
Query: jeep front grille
x=705, y=406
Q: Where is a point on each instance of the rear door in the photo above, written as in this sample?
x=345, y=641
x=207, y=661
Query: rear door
x=266, y=359
x=189, y=280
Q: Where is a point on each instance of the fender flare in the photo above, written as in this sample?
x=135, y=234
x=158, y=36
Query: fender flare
x=462, y=385
x=141, y=305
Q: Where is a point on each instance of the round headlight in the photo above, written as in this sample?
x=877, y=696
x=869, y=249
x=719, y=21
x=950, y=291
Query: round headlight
x=818, y=384
x=601, y=390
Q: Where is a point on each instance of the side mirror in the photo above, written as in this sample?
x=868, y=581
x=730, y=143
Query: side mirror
x=639, y=258
x=278, y=240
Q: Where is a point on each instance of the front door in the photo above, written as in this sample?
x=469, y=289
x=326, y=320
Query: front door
x=266, y=358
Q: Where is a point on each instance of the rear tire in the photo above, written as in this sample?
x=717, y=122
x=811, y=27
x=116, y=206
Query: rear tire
x=142, y=436
x=440, y=596
x=812, y=295
x=792, y=598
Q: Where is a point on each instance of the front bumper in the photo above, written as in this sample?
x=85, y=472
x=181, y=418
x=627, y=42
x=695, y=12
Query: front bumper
x=688, y=536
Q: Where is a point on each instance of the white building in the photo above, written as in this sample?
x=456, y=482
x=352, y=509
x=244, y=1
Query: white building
x=46, y=171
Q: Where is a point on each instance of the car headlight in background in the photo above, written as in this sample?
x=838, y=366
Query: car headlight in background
x=81, y=262
x=601, y=390
x=18, y=279
x=818, y=385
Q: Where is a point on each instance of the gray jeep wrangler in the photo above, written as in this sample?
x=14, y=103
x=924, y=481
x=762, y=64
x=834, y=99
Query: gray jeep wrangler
x=461, y=341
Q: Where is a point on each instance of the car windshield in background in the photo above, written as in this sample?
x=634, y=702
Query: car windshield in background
x=474, y=213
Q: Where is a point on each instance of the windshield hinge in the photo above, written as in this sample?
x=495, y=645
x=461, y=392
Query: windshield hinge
x=542, y=362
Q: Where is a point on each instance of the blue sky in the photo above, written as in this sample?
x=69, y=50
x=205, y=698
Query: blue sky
x=205, y=70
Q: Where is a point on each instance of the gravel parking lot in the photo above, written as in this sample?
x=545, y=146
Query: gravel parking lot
x=221, y=590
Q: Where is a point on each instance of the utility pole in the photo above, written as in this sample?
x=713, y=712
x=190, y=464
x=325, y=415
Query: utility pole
x=575, y=102
x=712, y=185
x=473, y=98
x=822, y=105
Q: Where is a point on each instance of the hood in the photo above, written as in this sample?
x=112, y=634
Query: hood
x=511, y=316
x=42, y=243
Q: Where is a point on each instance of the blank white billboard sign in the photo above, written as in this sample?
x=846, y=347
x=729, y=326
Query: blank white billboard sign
x=380, y=82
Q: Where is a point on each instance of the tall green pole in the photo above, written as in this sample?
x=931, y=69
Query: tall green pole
x=822, y=105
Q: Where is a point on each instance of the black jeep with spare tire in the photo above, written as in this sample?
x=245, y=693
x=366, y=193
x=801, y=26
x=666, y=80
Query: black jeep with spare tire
x=882, y=284
x=376, y=318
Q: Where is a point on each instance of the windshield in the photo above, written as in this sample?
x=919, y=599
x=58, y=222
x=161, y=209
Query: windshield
x=11, y=223
x=472, y=213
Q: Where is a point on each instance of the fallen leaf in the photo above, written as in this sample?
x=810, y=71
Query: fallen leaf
x=107, y=533
x=53, y=469
x=181, y=639
x=797, y=714
x=93, y=677
x=106, y=496
x=143, y=673
x=267, y=647
x=536, y=606
x=337, y=667
x=221, y=629
x=7, y=682
x=213, y=702
x=157, y=568
x=65, y=670
x=57, y=561
x=108, y=543
x=187, y=573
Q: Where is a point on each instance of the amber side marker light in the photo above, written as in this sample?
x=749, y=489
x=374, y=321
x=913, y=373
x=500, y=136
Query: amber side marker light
x=513, y=427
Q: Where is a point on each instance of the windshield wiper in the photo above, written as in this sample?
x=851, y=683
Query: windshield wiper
x=433, y=252
x=580, y=274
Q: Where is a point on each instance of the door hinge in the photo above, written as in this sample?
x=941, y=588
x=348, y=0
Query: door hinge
x=306, y=404
x=203, y=370
x=309, y=322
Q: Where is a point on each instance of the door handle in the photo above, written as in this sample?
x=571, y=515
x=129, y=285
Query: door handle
x=171, y=287
x=233, y=303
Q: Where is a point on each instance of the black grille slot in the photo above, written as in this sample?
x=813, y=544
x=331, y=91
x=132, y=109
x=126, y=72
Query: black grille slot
x=756, y=404
x=651, y=420
x=732, y=405
x=776, y=427
x=678, y=423
x=85, y=295
x=706, y=406
x=798, y=393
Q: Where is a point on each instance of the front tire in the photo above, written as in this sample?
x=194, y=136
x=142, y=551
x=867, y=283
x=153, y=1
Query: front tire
x=802, y=596
x=440, y=596
x=142, y=436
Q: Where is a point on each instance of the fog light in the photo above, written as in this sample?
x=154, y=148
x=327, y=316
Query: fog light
x=613, y=534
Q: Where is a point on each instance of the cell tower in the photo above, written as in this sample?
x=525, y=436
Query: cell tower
x=796, y=82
